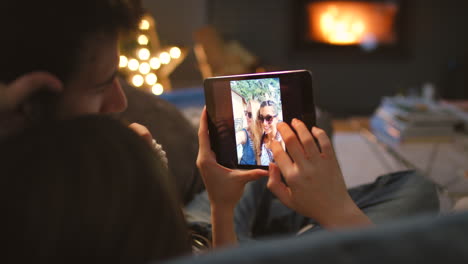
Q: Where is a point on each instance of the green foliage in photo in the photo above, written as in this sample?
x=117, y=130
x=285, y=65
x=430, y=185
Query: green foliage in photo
x=260, y=89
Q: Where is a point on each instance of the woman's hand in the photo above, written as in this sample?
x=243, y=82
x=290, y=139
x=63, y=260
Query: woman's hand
x=224, y=187
x=315, y=185
x=14, y=94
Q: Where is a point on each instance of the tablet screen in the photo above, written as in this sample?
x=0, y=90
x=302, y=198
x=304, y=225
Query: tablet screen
x=244, y=111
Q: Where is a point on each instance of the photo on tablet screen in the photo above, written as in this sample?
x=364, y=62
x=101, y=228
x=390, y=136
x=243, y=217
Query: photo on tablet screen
x=257, y=110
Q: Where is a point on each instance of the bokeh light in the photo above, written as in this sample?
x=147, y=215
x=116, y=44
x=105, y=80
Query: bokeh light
x=151, y=79
x=144, y=24
x=145, y=68
x=143, y=40
x=138, y=80
x=155, y=63
x=133, y=64
x=144, y=54
x=157, y=89
x=175, y=52
x=165, y=57
x=123, y=61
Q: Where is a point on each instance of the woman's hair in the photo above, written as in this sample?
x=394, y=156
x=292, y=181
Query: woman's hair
x=88, y=190
x=269, y=103
x=259, y=135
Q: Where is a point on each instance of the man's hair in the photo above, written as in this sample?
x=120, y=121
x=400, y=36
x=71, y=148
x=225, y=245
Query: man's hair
x=48, y=35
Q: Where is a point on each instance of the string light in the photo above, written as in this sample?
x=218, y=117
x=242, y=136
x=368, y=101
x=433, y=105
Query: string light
x=133, y=64
x=123, y=61
x=143, y=40
x=145, y=68
x=144, y=24
x=157, y=89
x=175, y=52
x=138, y=80
x=155, y=63
x=151, y=79
x=144, y=54
x=165, y=57
x=146, y=64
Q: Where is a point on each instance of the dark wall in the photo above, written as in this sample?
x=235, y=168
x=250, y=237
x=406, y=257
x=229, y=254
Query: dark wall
x=437, y=42
x=176, y=21
x=437, y=36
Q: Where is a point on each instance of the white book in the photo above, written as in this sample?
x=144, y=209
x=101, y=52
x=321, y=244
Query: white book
x=416, y=112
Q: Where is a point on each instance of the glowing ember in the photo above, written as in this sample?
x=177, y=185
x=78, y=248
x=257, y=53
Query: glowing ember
x=350, y=23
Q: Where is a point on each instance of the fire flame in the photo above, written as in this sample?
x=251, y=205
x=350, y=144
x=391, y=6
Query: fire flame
x=347, y=23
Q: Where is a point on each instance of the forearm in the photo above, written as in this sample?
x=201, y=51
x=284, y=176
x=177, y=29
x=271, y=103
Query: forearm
x=347, y=216
x=222, y=220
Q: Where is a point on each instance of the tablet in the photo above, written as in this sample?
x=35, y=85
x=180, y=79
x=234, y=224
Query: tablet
x=244, y=110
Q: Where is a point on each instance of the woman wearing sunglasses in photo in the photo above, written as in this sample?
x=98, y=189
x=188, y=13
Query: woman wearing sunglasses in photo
x=268, y=120
x=246, y=137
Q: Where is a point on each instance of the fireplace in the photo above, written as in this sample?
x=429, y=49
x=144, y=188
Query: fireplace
x=359, y=27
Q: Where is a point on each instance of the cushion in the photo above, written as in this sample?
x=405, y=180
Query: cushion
x=173, y=131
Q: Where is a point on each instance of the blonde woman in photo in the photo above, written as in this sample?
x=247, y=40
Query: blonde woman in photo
x=245, y=137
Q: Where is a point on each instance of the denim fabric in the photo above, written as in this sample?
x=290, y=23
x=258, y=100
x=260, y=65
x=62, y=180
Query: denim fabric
x=397, y=195
x=248, y=154
x=259, y=214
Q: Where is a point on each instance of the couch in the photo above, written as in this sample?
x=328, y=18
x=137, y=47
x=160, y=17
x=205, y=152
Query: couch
x=424, y=239
x=173, y=131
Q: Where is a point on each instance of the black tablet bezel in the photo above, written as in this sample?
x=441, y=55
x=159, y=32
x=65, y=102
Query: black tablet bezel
x=297, y=102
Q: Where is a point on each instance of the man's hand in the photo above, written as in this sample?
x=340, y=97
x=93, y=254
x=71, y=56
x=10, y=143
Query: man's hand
x=315, y=185
x=143, y=132
x=14, y=94
x=224, y=187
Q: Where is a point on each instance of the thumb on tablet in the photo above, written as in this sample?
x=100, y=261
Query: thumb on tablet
x=203, y=136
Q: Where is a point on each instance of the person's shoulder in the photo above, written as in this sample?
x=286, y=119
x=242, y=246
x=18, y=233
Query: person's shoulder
x=278, y=136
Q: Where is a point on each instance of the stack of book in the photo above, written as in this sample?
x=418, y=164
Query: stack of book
x=410, y=119
x=459, y=108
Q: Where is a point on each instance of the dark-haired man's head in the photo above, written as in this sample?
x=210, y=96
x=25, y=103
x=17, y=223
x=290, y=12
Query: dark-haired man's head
x=75, y=41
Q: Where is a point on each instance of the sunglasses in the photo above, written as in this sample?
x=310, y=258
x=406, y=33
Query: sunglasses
x=267, y=118
x=248, y=114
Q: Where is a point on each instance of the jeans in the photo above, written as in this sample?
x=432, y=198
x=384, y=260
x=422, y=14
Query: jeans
x=260, y=214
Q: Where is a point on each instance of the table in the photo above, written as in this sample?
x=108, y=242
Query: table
x=444, y=162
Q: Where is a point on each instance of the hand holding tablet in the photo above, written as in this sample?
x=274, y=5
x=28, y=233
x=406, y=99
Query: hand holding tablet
x=251, y=124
